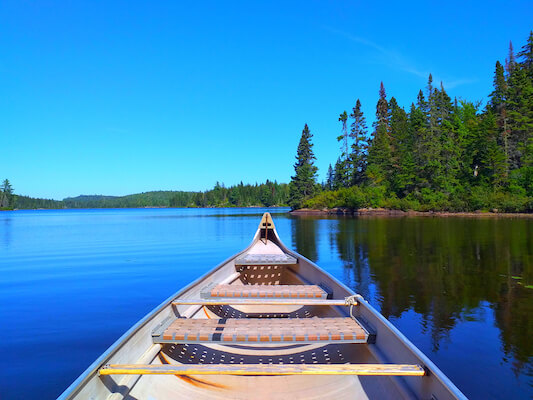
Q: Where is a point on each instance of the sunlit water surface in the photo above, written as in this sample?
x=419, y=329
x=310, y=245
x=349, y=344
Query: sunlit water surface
x=73, y=281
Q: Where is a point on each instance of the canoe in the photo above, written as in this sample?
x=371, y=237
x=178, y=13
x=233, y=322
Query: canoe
x=266, y=323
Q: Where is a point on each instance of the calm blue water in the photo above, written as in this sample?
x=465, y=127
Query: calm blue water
x=73, y=281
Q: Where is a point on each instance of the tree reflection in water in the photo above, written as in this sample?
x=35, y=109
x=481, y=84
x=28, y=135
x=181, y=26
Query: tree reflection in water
x=446, y=270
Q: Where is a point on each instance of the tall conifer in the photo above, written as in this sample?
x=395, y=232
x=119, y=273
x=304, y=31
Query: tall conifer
x=303, y=183
x=526, y=55
x=330, y=178
x=498, y=102
x=379, y=152
x=344, y=167
x=510, y=61
x=402, y=177
x=358, y=134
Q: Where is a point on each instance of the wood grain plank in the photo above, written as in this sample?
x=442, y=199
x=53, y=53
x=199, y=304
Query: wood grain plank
x=266, y=369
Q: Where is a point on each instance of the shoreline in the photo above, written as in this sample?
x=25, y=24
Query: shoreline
x=131, y=208
x=383, y=212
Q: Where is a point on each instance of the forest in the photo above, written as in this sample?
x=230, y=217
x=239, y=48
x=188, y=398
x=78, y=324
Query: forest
x=266, y=194
x=440, y=154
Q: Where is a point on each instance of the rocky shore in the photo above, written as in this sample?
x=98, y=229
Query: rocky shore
x=383, y=212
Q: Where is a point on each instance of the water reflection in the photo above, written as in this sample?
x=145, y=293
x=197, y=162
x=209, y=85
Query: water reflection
x=304, y=236
x=447, y=271
x=5, y=228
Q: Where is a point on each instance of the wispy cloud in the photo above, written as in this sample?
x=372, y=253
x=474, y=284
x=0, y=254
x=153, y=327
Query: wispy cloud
x=396, y=60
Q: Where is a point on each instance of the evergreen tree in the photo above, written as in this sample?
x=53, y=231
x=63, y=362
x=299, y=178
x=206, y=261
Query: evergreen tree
x=6, y=197
x=403, y=168
x=358, y=134
x=510, y=62
x=489, y=152
x=447, y=135
x=526, y=56
x=330, y=178
x=416, y=128
x=338, y=174
x=429, y=163
x=343, y=173
x=498, y=96
x=343, y=117
x=520, y=114
x=379, y=152
x=303, y=183
x=498, y=99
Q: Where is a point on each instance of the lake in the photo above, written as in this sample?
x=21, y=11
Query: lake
x=73, y=281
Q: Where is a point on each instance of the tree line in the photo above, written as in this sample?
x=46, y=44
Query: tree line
x=440, y=154
x=266, y=194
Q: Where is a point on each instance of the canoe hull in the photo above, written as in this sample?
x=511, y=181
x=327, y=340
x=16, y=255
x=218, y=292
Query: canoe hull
x=136, y=347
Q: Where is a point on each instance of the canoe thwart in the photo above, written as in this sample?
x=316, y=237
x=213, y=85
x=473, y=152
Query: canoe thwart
x=264, y=302
x=265, y=259
x=266, y=291
x=265, y=369
x=264, y=330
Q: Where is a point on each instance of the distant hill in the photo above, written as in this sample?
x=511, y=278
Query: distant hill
x=146, y=199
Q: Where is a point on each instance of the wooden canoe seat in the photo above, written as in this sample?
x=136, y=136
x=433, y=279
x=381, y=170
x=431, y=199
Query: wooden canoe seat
x=265, y=259
x=265, y=369
x=267, y=291
x=262, y=330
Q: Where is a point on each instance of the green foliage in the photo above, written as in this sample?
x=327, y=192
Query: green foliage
x=479, y=199
x=442, y=154
x=352, y=197
x=303, y=184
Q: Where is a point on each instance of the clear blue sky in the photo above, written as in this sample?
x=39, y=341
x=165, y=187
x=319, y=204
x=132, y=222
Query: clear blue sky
x=119, y=97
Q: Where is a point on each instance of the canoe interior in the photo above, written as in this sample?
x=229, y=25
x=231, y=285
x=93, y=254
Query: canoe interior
x=137, y=346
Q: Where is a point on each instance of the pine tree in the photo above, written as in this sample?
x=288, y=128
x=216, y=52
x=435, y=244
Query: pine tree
x=358, y=134
x=303, y=183
x=489, y=152
x=330, y=178
x=418, y=130
x=510, y=62
x=450, y=149
x=498, y=99
x=379, y=152
x=431, y=109
x=428, y=145
x=526, y=56
x=520, y=114
x=498, y=95
x=402, y=177
x=6, y=197
x=344, y=167
x=338, y=174
x=343, y=117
